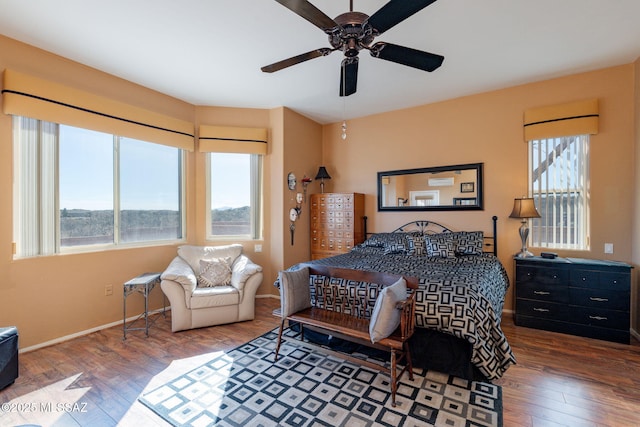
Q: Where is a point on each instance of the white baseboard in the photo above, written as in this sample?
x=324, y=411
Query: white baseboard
x=268, y=296
x=85, y=332
x=101, y=327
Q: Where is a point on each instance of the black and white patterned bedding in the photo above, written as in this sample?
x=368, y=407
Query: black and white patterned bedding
x=462, y=296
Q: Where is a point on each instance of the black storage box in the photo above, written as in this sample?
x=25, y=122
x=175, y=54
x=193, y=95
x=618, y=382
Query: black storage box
x=8, y=356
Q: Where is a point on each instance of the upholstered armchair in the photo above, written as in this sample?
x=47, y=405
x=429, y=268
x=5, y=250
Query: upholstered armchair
x=210, y=285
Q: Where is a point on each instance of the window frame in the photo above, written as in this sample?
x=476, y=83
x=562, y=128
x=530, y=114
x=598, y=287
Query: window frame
x=256, y=200
x=57, y=248
x=560, y=216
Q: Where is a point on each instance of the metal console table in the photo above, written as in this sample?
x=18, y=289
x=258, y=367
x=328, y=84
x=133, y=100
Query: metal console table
x=142, y=284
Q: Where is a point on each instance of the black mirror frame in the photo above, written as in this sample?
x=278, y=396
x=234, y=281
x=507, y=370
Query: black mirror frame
x=479, y=191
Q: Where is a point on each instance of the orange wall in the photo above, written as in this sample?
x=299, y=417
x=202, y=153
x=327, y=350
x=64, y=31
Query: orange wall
x=303, y=150
x=488, y=128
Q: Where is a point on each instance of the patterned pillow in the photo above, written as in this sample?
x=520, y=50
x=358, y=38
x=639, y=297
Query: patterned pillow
x=440, y=245
x=416, y=245
x=396, y=245
x=469, y=242
x=214, y=272
x=378, y=240
x=393, y=243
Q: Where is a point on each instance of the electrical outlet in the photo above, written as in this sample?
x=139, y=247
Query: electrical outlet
x=608, y=248
x=108, y=290
x=257, y=248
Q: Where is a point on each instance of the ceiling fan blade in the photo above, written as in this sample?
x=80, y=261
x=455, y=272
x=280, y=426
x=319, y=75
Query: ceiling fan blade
x=277, y=66
x=395, y=12
x=311, y=13
x=349, y=76
x=407, y=56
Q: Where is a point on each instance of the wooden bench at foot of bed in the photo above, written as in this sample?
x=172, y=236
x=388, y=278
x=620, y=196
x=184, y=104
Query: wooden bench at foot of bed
x=297, y=307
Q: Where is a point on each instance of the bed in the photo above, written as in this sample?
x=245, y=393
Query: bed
x=462, y=286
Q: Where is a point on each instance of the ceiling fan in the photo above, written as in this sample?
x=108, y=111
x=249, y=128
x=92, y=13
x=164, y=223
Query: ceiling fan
x=352, y=31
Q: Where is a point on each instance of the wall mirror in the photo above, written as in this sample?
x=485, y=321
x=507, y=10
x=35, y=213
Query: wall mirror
x=444, y=188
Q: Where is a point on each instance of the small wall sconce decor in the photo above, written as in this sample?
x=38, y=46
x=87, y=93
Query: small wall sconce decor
x=524, y=208
x=322, y=175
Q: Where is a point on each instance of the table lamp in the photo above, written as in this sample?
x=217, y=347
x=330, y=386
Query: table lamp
x=322, y=175
x=524, y=208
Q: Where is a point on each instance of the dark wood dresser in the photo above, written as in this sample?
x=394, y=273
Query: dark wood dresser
x=337, y=223
x=585, y=297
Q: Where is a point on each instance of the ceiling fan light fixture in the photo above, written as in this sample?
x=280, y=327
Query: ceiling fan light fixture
x=352, y=31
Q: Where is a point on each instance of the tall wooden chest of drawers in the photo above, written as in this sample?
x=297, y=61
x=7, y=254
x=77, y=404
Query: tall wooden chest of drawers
x=337, y=223
x=585, y=297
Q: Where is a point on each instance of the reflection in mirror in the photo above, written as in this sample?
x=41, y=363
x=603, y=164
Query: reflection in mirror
x=435, y=188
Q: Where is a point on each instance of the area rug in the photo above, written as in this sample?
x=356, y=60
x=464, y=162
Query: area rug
x=313, y=386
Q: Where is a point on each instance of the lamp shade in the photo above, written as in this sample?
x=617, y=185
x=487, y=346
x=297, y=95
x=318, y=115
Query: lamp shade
x=322, y=173
x=524, y=208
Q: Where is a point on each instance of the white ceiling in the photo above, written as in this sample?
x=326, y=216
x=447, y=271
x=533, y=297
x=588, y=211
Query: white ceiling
x=209, y=52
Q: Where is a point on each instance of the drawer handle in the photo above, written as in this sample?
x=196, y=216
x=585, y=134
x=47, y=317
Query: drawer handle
x=598, y=299
x=584, y=279
x=597, y=318
x=542, y=310
x=541, y=292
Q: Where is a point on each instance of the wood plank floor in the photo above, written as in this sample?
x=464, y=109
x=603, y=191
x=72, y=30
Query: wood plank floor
x=559, y=380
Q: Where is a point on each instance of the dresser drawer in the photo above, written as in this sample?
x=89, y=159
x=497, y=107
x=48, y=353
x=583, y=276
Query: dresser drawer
x=600, y=317
x=544, y=276
x=542, y=309
x=542, y=292
x=584, y=278
x=600, y=298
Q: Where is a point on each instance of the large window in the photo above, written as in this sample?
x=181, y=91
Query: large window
x=234, y=189
x=77, y=189
x=559, y=182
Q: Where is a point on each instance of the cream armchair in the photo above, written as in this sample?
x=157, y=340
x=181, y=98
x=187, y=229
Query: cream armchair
x=196, y=300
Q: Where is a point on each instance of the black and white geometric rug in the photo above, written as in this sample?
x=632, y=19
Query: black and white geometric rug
x=312, y=386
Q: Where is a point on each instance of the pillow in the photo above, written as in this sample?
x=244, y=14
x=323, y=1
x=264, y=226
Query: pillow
x=441, y=245
x=392, y=243
x=295, y=292
x=398, y=245
x=374, y=241
x=469, y=242
x=385, y=318
x=382, y=239
x=214, y=272
x=416, y=245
